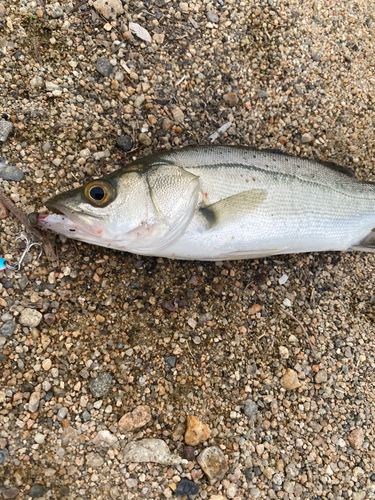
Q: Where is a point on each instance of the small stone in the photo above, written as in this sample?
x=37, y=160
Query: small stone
x=100, y=386
x=166, y=124
x=34, y=402
x=49, y=318
x=36, y=491
x=284, y=352
x=62, y=413
x=262, y=94
x=178, y=114
x=289, y=380
x=149, y=450
x=250, y=408
x=100, y=318
x=36, y=82
x=8, y=329
x=30, y=317
x=186, y=487
x=212, y=16
x=171, y=361
x=178, y=432
x=356, y=438
x=135, y=419
x=124, y=142
x=39, y=438
x=231, y=99
x=69, y=436
x=321, y=377
x=131, y=482
x=158, y=38
x=5, y=129
x=359, y=495
x=10, y=493
x=184, y=7
x=104, y=67
x=139, y=101
x=2, y=10
x=46, y=365
x=109, y=9
x=56, y=11
x=105, y=438
x=3, y=211
x=196, y=431
x=213, y=463
x=50, y=86
x=218, y=497
x=306, y=138
x=254, y=309
x=144, y=139
x=4, y=456
x=94, y=460
x=10, y=173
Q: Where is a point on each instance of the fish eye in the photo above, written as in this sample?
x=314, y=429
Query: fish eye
x=99, y=193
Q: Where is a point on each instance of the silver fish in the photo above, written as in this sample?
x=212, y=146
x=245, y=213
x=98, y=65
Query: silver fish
x=219, y=203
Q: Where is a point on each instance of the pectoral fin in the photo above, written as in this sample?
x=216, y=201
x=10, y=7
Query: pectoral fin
x=233, y=208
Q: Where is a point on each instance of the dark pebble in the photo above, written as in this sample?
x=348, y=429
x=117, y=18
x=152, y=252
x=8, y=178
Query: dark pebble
x=171, y=361
x=49, y=318
x=36, y=491
x=10, y=173
x=250, y=408
x=48, y=396
x=4, y=456
x=63, y=491
x=22, y=282
x=124, y=143
x=5, y=129
x=187, y=487
x=262, y=94
x=188, y=453
x=27, y=387
x=100, y=386
x=8, y=329
x=257, y=471
x=104, y=67
x=86, y=416
x=3, y=357
x=372, y=477
x=58, y=392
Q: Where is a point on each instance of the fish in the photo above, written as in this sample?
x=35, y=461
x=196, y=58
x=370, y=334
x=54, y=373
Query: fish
x=215, y=203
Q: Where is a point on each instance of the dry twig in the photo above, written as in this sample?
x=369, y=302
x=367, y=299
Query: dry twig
x=47, y=247
x=76, y=7
x=312, y=347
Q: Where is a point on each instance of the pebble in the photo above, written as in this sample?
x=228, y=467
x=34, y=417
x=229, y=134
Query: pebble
x=10, y=493
x=36, y=491
x=321, y=377
x=356, y=438
x=4, y=456
x=254, y=309
x=289, y=380
x=196, y=431
x=56, y=11
x=150, y=450
x=144, y=139
x=30, y=317
x=231, y=99
x=109, y=9
x=100, y=386
x=62, y=413
x=8, y=329
x=46, y=364
x=104, y=67
x=131, y=482
x=5, y=129
x=307, y=138
x=94, y=460
x=213, y=463
x=136, y=419
x=105, y=438
x=2, y=10
x=171, y=361
x=262, y=94
x=124, y=142
x=186, y=487
x=3, y=211
x=34, y=401
x=250, y=408
x=10, y=173
x=212, y=16
x=178, y=114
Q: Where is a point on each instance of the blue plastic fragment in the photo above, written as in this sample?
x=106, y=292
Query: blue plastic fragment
x=2, y=265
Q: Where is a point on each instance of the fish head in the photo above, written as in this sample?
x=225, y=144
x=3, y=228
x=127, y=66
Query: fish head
x=135, y=209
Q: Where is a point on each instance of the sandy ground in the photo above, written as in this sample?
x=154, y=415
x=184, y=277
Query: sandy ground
x=108, y=349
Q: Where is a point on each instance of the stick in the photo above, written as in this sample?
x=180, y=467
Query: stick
x=313, y=350
x=47, y=247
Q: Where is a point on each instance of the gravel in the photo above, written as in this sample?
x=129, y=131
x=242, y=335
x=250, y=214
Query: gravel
x=106, y=333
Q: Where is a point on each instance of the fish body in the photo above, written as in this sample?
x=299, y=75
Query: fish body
x=219, y=203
